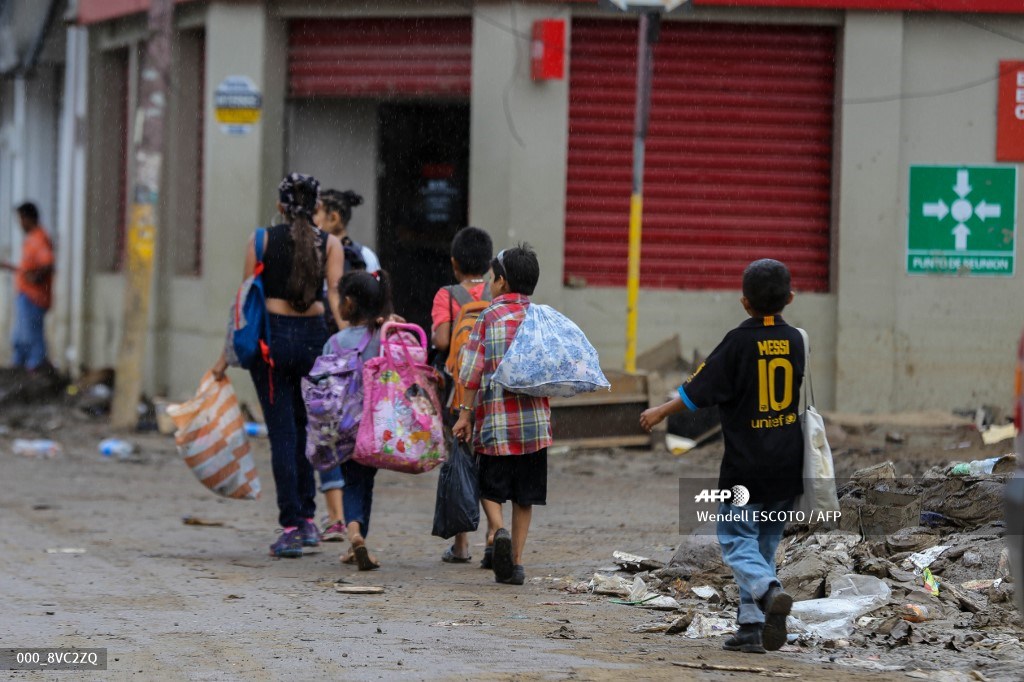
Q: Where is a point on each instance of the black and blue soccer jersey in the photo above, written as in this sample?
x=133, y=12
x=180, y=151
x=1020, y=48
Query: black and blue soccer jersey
x=754, y=376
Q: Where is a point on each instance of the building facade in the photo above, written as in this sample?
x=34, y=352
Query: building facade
x=779, y=128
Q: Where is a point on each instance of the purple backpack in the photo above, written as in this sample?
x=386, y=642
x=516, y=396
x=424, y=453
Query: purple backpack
x=333, y=393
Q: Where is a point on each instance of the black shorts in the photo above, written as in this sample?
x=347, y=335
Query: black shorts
x=523, y=479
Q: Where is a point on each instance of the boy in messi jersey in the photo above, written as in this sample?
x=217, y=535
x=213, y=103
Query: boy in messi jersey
x=754, y=377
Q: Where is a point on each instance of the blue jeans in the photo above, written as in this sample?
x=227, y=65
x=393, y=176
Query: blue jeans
x=295, y=344
x=28, y=337
x=331, y=479
x=748, y=548
x=358, y=493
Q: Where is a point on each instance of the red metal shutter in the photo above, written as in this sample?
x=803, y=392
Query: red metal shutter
x=380, y=57
x=739, y=153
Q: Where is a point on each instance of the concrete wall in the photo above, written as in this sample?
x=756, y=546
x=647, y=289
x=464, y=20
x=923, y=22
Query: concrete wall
x=336, y=141
x=913, y=342
x=517, y=161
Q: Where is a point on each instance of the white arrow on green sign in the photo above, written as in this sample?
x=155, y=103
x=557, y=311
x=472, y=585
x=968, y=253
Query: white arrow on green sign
x=962, y=220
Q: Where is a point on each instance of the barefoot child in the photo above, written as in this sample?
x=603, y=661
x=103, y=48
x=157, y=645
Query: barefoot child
x=365, y=302
x=512, y=430
x=754, y=376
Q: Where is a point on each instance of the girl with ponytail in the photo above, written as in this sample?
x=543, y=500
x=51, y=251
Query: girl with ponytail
x=365, y=304
x=297, y=258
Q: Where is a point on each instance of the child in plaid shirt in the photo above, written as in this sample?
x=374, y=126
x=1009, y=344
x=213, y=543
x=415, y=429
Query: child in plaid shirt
x=512, y=431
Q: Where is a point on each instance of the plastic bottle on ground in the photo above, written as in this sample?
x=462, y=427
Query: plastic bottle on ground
x=36, y=448
x=115, y=447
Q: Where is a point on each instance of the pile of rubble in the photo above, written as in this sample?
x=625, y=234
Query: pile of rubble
x=913, y=561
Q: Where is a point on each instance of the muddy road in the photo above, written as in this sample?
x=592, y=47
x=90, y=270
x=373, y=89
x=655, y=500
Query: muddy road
x=195, y=602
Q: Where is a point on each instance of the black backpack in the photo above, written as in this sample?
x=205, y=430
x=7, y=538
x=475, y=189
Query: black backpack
x=353, y=256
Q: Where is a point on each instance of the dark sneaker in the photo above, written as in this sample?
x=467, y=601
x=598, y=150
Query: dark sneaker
x=288, y=545
x=310, y=533
x=776, y=605
x=518, y=576
x=502, y=558
x=747, y=639
x=488, y=561
x=333, y=532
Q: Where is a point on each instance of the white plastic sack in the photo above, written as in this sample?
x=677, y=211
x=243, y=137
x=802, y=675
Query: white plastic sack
x=550, y=356
x=852, y=596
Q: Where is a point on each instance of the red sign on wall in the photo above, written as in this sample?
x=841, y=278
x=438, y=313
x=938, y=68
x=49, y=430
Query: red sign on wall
x=1010, y=117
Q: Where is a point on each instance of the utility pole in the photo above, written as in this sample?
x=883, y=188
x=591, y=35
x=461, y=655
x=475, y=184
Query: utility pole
x=650, y=12
x=650, y=26
x=148, y=145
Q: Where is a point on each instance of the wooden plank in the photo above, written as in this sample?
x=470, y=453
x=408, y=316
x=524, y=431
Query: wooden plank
x=607, y=442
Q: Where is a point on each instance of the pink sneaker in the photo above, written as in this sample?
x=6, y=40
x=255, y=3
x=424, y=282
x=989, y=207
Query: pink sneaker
x=334, y=532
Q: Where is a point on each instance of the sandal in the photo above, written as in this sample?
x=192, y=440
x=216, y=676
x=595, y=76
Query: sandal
x=348, y=559
x=449, y=557
x=488, y=561
x=363, y=559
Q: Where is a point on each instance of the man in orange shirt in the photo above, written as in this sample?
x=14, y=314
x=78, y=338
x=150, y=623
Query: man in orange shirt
x=34, y=281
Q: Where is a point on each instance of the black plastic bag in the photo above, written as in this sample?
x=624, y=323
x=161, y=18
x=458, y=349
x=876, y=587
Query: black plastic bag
x=457, y=509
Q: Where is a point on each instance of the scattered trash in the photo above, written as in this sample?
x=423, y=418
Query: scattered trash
x=115, y=447
x=980, y=585
x=703, y=626
x=454, y=623
x=997, y=434
x=930, y=582
x=609, y=584
x=45, y=449
x=923, y=560
x=164, y=423
x=916, y=613
x=562, y=603
x=232, y=597
x=255, y=430
x=707, y=593
x=199, y=521
x=634, y=563
x=66, y=550
x=640, y=595
x=979, y=467
x=358, y=589
x=832, y=617
x=565, y=632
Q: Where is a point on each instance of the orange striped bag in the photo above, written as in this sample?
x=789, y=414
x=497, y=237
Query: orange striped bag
x=211, y=439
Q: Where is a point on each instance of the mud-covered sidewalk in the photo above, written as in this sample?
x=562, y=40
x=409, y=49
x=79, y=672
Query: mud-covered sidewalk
x=176, y=601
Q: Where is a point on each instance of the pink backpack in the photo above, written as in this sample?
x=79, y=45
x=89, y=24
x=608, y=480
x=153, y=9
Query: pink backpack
x=401, y=428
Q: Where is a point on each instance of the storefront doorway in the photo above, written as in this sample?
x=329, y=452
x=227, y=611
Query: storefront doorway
x=422, y=198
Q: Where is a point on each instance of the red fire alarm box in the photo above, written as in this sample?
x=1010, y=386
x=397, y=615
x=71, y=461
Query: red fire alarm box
x=548, y=50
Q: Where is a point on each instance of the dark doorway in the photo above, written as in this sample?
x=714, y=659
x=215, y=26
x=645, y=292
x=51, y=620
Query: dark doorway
x=423, y=189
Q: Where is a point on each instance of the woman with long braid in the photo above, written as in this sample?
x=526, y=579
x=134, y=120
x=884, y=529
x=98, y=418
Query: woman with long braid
x=298, y=257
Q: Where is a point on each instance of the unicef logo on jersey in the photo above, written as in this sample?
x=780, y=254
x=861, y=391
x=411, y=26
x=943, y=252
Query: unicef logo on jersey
x=737, y=496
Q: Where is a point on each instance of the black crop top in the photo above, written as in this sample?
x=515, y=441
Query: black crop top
x=277, y=261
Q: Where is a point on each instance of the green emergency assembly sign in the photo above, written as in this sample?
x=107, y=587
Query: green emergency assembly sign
x=963, y=220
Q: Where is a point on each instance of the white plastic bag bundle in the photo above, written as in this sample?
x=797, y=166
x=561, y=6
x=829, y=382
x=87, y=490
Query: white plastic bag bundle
x=550, y=356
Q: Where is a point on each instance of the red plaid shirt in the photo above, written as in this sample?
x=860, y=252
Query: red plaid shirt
x=506, y=423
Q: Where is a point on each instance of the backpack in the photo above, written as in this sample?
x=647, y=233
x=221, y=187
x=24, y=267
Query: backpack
x=333, y=394
x=250, y=334
x=461, y=329
x=402, y=428
x=353, y=256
